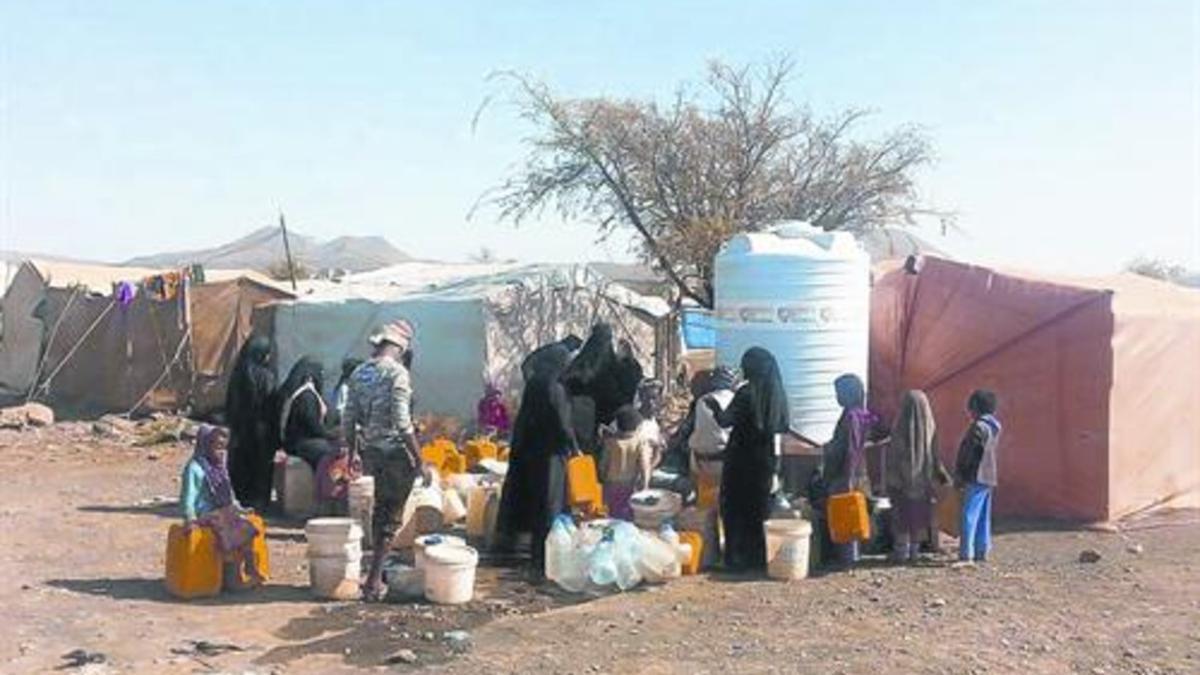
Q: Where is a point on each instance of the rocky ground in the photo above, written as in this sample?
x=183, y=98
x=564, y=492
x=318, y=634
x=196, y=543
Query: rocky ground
x=86, y=509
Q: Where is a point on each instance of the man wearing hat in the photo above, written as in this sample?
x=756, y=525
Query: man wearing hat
x=378, y=422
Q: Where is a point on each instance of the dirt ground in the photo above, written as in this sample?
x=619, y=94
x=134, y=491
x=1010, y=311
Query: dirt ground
x=84, y=531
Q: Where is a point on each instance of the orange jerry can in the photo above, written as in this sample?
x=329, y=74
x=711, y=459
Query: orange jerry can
x=262, y=557
x=848, y=519
x=480, y=449
x=696, y=540
x=583, y=487
x=193, y=563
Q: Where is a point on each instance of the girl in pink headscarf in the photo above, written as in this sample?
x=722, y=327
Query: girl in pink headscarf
x=492, y=413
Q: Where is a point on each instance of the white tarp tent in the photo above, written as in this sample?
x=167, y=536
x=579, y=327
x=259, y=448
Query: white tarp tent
x=472, y=322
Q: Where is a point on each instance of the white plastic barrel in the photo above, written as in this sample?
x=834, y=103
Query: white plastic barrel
x=450, y=574
x=804, y=295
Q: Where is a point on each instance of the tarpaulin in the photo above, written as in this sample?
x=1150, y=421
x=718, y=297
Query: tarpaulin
x=1097, y=389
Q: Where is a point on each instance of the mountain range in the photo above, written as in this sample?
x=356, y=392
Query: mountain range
x=263, y=249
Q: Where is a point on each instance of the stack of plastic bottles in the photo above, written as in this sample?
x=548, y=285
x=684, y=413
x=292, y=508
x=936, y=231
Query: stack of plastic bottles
x=604, y=555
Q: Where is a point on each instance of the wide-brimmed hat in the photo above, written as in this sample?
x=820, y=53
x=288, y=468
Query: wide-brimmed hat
x=399, y=333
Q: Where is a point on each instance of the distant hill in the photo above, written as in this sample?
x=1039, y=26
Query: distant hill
x=262, y=249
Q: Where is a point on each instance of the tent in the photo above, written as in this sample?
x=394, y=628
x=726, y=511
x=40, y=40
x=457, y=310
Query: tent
x=68, y=340
x=472, y=322
x=1098, y=380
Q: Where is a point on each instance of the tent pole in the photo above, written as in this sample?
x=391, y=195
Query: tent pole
x=287, y=250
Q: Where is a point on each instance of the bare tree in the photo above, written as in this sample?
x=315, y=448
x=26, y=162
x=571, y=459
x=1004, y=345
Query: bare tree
x=687, y=175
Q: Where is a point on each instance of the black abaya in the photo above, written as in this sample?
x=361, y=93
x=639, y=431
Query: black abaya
x=757, y=414
x=535, y=488
x=250, y=413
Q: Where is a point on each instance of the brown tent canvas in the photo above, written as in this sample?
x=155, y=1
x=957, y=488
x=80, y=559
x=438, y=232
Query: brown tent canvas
x=93, y=354
x=1099, y=381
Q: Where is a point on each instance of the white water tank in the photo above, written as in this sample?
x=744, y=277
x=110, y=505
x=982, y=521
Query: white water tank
x=804, y=295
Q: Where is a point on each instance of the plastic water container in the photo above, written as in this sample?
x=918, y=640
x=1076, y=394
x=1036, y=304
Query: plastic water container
x=482, y=500
x=299, y=489
x=787, y=548
x=602, y=563
x=423, y=542
x=804, y=295
x=361, y=502
x=404, y=582
x=335, y=577
x=193, y=563
x=703, y=521
x=653, y=507
x=334, y=557
x=331, y=536
x=453, y=508
x=450, y=574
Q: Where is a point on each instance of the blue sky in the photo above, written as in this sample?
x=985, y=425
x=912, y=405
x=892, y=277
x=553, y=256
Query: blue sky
x=1066, y=130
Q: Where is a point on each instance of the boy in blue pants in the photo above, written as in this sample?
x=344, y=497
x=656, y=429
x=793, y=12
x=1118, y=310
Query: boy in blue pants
x=976, y=474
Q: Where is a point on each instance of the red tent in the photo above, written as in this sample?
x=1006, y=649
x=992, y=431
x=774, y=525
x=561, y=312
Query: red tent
x=1098, y=380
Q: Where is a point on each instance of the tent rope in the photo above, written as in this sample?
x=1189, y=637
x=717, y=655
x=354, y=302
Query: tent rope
x=185, y=339
x=45, y=385
x=41, y=366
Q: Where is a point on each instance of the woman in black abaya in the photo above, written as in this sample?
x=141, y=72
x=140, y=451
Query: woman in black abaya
x=303, y=413
x=250, y=414
x=535, y=486
x=758, y=413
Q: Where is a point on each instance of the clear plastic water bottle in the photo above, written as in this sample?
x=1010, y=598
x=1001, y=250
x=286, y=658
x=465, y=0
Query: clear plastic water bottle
x=627, y=550
x=602, y=567
x=558, y=547
x=668, y=534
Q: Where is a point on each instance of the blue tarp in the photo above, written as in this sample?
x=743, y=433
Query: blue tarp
x=699, y=329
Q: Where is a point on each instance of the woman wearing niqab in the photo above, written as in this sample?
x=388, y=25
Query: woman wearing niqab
x=250, y=413
x=542, y=439
x=758, y=414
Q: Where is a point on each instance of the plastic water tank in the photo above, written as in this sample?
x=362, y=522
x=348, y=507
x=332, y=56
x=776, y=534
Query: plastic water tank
x=803, y=294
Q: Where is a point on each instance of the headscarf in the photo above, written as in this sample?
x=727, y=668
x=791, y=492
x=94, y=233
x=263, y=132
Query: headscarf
x=769, y=401
x=307, y=375
x=722, y=379
x=491, y=411
x=853, y=428
x=250, y=385
x=216, y=474
x=910, y=459
x=596, y=358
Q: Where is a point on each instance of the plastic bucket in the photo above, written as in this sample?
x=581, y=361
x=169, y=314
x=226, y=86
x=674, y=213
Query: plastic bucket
x=652, y=516
x=332, y=536
x=450, y=574
x=335, y=577
x=787, y=548
x=428, y=540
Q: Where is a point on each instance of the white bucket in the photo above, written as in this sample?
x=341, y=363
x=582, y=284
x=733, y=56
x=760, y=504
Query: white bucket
x=332, y=536
x=427, y=540
x=335, y=577
x=450, y=574
x=787, y=548
x=652, y=516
